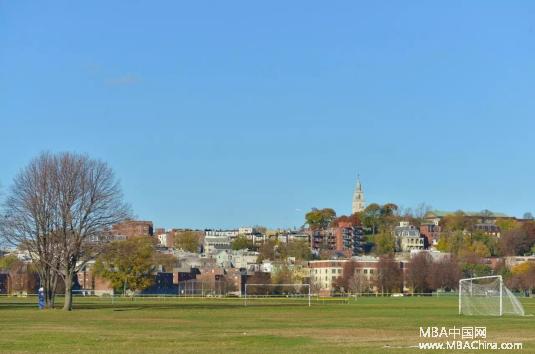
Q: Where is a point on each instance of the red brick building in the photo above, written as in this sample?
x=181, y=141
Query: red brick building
x=342, y=239
x=132, y=228
x=88, y=280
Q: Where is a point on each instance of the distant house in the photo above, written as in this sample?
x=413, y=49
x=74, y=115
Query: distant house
x=243, y=259
x=430, y=230
x=213, y=244
x=408, y=238
x=88, y=280
x=483, y=221
x=488, y=229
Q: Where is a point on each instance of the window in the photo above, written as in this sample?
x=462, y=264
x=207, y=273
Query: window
x=365, y=271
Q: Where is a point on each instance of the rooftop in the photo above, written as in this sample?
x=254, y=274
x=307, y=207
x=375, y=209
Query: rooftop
x=443, y=213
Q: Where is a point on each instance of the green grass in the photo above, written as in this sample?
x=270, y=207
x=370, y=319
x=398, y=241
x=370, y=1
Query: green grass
x=226, y=326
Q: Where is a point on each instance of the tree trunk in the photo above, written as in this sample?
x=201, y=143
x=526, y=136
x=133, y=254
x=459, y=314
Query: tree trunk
x=48, y=282
x=50, y=294
x=67, y=306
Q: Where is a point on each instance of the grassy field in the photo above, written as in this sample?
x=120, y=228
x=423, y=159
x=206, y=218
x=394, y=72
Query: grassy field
x=367, y=325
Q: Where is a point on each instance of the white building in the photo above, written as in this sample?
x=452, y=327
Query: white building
x=245, y=230
x=408, y=237
x=162, y=239
x=212, y=244
x=243, y=259
x=222, y=233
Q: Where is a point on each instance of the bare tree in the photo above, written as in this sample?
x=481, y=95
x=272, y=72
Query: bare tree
x=389, y=275
x=418, y=272
x=89, y=202
x=444, y=274
x=28, y=221
x=68, y=202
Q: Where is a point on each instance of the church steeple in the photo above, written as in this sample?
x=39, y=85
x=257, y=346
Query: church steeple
x=358, y=198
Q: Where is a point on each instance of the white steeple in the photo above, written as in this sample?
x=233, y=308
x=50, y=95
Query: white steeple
x=358, y=198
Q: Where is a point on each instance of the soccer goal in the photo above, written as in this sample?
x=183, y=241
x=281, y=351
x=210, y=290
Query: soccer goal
x=277, y=294
x=487, y=296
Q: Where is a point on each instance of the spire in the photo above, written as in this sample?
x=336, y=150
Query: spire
x=358, y=197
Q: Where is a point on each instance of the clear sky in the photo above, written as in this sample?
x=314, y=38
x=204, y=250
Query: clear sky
x=226, y=113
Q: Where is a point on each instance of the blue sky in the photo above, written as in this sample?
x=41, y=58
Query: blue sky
x=222, y=114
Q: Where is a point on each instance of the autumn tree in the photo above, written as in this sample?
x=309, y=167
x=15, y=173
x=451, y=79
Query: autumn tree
x=518, y=241
x=523, y=277
x=451, y=242
x=240, y=243
x=506, y=225
x=267, y=251
x=300, y=250
x=457, y=221
x=320, y=218
x=352, y=220
x=371, y=216
x=127, y=264
x=389, y=209
x=164, y=262
x=187, y=240
x=385, y=243
x=7, y=261
x=282, y=276
x=473, y=266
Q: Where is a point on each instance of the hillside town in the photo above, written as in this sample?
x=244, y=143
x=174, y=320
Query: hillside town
x=377, y=249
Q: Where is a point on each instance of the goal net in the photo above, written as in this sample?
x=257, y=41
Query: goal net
x=277, y=294
x=196, y=288
x=487, y=296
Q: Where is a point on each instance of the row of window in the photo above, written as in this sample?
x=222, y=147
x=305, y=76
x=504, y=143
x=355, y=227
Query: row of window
x=333, y=271
x=339, y=271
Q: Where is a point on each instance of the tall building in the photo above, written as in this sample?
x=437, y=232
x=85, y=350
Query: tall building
x=358, y=198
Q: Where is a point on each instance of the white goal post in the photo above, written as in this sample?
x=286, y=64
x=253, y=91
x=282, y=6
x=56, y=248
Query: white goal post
x=487, y=296
x=287, y=293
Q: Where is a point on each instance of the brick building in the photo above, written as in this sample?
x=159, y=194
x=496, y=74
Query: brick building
x=88, y=280
x=345, y=239
x=431, y=232
x=324, y=273
x=132, y=228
